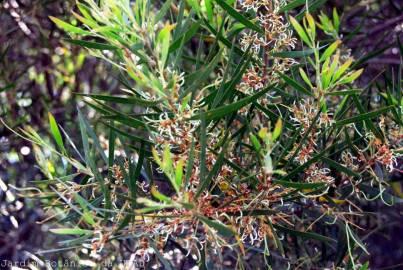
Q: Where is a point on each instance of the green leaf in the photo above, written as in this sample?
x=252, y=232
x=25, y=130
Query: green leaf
x=336, y=19
x=226, y=89
x=122, y=99
x=304, y=76
x=227, y=109
x=84, y=137
x=203, y=148
x=356, y=239
x=311, y=28
x=185, y=38
x=159, y=196
x=209, y=9
x=68, y=27
x=179, y=173
x=369, y=56
x=339, y=167
x=127, y=120
x=160, y=257
x=87, y=216
x=163, y=39
x=368, y=121
x=277, y=129
x=363, y=116
x=344, y=92
x=302, y=167
x=305, y=235
x=301, y=32
x=311, y=7
x=91, y=44
x=70, y=231
x=56, y=132
x=202, y=75
x=351, y=77
x=194, y=4
x=190, y=162
x=295, y=85
x=136, y=174
x=330, y=50
x=130, y=136
x=221, y=228
x=365, y=266
x=163, y=10
x=204, y=183
x=298, y=185
x=293, y=54
x=238, y=16
x=94, y=137
x=277, y=240
x=7, y=87
x=292, y=5
x=86, y=129
x=255, y=142
x=111, y=144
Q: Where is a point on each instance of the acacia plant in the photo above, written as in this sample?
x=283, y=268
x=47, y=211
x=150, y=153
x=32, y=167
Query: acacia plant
x=241, y=139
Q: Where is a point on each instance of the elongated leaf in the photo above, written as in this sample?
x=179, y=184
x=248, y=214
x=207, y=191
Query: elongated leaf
x=351, y=77
x=94, y=137
x=127, y=121
x=85, y=129
x=301, y=32
x=298, y=185
x=209, y=9
x=292, y=5
x=122, y=100
x=330, y=50
x=70, y=231
x=87, y=216
x=277, y=240
x=163, y=10
x=311, y=7
x=238, y=16
x=130, y=136
x=185, y=38
x=68, y=27
x=226, y=90
x=344, y=92
x=295, y=85
x=56, y=132
x=217, y=165
x=305, y=77
x=202, y=75
x=305, y=235
x=221, y=228
x=91, y=44
x=225, y=110
x=369, y=56
x=160, y=257
x=7, y=87
x=302, y=167
x=163, y=39
x=363, y=116
x=341, y=70
x=293, y=54
x=190, y=162
x=340, y=167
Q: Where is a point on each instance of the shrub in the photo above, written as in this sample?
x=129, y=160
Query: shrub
x=241, y=136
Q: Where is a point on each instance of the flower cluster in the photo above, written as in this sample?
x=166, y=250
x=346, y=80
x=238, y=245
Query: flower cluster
x=276, y=37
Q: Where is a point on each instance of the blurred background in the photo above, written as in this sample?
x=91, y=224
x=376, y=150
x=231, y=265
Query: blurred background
x=39, y=73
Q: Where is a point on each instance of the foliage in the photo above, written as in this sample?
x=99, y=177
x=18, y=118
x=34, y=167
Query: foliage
x=237, y=134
